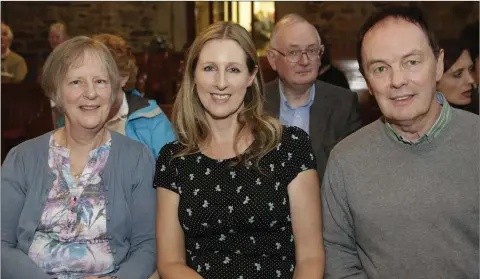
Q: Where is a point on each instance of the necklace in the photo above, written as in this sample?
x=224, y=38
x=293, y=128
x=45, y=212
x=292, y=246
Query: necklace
x=77, y=175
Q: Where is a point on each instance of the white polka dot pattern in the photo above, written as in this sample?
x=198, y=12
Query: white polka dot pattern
x=236, y=220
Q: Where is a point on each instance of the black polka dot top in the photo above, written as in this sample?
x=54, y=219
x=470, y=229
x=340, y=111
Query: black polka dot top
x=236, y=220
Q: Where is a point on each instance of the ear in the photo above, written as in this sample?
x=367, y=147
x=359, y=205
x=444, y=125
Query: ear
x=272, y=57
x=439, y=67
x=124, y=80
x=252, y=76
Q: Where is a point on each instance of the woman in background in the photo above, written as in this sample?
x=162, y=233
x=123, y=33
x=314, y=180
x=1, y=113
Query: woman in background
x=457, y=83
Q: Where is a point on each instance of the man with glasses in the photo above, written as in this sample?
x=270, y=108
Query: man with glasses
x=327, y=112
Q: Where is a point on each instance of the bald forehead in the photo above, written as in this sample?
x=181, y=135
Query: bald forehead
x=296, y=33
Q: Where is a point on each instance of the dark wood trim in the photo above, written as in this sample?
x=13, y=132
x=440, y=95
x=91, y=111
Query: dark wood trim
x=230, y=16
x=210, y=12
x=252, y=10
x=190, y=10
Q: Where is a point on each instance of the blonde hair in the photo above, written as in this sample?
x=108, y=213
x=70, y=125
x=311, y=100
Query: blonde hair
x=288, y=20
x=188, y=115
x=123, y=55
x=69, y=55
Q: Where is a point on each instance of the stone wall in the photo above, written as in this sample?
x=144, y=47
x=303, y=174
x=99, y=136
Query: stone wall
x=340, y=22
x=138, y=22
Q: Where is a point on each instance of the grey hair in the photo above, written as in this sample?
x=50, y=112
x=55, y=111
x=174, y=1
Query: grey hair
x=9, y=32
x=288, y=20
x=70, y=54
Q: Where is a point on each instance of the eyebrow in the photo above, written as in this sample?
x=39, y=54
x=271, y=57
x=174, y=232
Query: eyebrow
x=211, y=62
x=295, y=45
x=411, y=53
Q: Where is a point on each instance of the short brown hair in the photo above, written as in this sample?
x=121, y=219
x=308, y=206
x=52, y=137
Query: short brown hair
x=68, y=55
x=123, y=55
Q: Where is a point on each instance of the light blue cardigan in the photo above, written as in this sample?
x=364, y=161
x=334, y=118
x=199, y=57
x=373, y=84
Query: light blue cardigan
x=131, y=202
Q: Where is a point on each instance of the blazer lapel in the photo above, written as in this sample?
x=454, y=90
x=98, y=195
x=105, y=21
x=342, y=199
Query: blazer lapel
x=272, y=98
x=320, y=112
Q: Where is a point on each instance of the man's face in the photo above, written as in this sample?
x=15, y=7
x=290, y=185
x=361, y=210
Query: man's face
x=299, y=36
x=55, y=37
x=400, y=69
x=5, y=40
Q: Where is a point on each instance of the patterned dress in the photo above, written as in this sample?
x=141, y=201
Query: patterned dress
x=71, y=240
x=236, y=220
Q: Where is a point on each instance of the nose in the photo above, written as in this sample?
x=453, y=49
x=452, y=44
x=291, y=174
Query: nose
x=91, y=91
x=398, y=78
x=303, y=59
x=469, y=78
x=222, y=82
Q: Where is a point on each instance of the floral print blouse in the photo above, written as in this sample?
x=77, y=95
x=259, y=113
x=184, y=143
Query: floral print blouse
x=71, y=240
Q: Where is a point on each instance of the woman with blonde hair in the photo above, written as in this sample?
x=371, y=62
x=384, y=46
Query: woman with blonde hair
x=237, y=194
x=77, y=202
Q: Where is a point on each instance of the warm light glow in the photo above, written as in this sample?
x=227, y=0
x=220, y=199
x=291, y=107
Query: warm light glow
x=245, y=14
x=234, y=11
x=225, y=11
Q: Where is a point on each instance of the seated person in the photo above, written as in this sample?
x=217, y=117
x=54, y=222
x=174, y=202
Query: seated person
x=132, y=115
x=329, y=73
x=238, y=194
x=14, y=67
x=77, y=202
x=457, y=83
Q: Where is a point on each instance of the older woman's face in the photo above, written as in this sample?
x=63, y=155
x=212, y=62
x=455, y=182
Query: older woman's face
x=457, y=82
x=222, y=78
x=86, y=94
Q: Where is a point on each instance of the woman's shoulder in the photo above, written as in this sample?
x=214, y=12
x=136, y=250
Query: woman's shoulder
x=170, y=149
x=34, y=146
x=127, y=147
x=295, y=134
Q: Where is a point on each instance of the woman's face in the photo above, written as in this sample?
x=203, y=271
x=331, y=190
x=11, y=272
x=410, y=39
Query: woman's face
x=457, y=82
x=86, y=94
x=222, y=78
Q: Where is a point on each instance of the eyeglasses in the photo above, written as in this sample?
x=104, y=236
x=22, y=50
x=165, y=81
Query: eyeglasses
x=294, y=55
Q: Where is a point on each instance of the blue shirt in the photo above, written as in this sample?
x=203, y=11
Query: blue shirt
x=299, y=117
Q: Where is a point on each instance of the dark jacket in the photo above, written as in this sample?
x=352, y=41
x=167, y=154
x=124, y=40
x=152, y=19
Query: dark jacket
x=334, y=114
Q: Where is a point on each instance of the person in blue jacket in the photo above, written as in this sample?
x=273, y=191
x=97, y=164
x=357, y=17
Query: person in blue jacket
x=132, y=115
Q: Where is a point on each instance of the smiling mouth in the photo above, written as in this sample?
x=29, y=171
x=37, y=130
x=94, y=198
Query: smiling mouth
x=401, y=98
x=221, y=96
x=89, y=107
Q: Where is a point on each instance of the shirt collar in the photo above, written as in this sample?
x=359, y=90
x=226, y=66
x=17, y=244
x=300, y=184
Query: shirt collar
x=284, y=99
x=123, y=111
x=441, y=122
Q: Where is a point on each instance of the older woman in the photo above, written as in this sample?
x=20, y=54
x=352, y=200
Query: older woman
x=238, y=195
x=77, y=202
x=457, y=82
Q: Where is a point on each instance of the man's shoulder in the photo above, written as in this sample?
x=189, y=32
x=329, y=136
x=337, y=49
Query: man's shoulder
x=333, y=91
x=15, y=57
x=360, y=142
x=465, y=123
x=271, y=85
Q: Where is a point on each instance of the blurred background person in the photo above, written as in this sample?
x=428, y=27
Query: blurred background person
x=329, y=73
x=132, y=115
x=14, y=67
x=457, y=83
x=57, y=34
x=78, y=202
